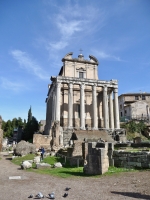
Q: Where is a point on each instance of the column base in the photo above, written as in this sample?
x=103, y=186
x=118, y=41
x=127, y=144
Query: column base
x=82, y=128
x=70, y=127
x=94, y=128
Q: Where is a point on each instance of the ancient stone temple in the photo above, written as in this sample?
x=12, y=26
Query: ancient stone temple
x=78, y=99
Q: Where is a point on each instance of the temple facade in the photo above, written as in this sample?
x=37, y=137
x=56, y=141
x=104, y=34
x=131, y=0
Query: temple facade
x=78, y=99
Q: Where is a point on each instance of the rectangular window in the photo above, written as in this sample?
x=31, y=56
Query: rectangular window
x=120, y=106
x=143, y=97
x=136, y=98
x=81, y=74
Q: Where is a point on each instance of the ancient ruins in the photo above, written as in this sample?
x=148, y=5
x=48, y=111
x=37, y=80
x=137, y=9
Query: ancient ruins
x=81, y=109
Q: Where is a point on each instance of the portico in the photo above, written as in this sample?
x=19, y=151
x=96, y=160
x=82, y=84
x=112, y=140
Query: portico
x=78, y=101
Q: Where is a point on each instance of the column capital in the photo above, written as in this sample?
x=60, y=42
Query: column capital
x=82, y=85
x=94, y=87
x=115, y=90
x=58, y=83
x=70, y=85
x=105, y=88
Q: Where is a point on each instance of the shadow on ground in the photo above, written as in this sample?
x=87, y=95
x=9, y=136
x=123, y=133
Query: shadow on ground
x=77, y=174
x=133, y=195
x=8, y=158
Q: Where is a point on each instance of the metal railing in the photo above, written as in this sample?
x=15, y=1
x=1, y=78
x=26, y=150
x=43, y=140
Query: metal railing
x=67, y=157
x=135, y=117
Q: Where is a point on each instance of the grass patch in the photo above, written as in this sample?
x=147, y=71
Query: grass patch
x=18, y=160
x=66, y=171
x=116, y=170
x=61, y=172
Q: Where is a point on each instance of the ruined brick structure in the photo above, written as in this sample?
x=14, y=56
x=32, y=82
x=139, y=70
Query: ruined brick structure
x=97, y=159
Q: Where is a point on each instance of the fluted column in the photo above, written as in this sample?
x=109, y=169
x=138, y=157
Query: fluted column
x=82, y=107
x=116, y=109
x=70, y=104
x=51, y=110
x=94, y=102
x=53, y=105
x=105, y=107
x=111, y=113
x=58, y=84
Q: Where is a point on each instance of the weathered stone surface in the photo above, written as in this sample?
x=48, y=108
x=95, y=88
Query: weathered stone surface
x=42, y=165
x=26, y=165
x=30, y=161
x=52, y=153
x=4, y=143
x=24, y=148
x=57, y=165
x=41, y=140
x=97, y=159
x=46, y=154
x=36, y=159
x=131, y=159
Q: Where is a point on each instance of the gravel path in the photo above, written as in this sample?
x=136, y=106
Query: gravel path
x=131, y=185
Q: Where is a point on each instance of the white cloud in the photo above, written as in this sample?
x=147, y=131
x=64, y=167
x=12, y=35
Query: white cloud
x=11, y=85
x=30, y=65
x=105, y=56
x=72, y=21
x=58, y=45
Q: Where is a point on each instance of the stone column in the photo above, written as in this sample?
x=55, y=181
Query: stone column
x=58, y=84
x=82, y=107
x=116, y=109
x=53, y=105
x=50, y=109
x=105, y=107
x=111, y=113
x=94, y=104
x=70, y=105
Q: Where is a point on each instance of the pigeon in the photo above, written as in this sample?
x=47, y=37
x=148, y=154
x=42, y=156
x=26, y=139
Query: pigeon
x=67, y=189
x=65, y=195
x=52, y=195
x=31, y=196
x=40, y=195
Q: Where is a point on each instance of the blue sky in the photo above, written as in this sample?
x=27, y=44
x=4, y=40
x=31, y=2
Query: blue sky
x=35, y=35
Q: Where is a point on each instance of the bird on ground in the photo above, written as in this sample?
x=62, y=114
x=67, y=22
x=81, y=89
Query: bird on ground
x=40, y=195
x=52, y=195
x=65, y=195
x=67, y=188
x=31, y=196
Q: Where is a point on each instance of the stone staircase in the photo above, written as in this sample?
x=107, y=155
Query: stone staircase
x=91, y=135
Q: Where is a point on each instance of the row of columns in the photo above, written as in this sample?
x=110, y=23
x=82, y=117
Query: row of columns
x=110, y=110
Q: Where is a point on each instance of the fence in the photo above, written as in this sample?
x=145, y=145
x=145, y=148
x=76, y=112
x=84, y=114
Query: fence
x=69, y=158
x=135, y=117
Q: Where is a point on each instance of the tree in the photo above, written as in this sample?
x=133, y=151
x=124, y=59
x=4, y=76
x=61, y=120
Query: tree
x=140, y=127
x=29, y=115
x=8, y=127
x=133, y=127
x=31, y=126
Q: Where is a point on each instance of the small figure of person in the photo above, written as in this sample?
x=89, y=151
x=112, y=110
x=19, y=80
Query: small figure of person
x=42, y=150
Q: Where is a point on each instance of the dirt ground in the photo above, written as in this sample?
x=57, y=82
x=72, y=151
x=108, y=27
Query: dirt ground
x=129, y=185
